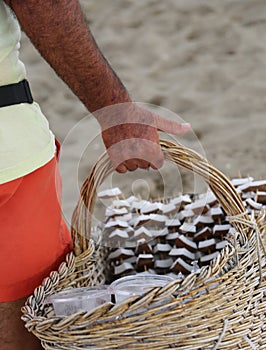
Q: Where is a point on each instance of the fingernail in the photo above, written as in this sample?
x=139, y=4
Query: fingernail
x=185, y=126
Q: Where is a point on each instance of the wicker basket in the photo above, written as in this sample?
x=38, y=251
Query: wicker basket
x=222, y=307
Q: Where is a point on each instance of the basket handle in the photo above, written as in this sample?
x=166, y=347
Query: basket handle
x=180, y=155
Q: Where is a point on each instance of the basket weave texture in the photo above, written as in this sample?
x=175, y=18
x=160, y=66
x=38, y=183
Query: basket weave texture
x=222, y=307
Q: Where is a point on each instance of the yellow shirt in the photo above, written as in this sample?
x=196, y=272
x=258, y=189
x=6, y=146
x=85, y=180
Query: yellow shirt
x=26, y=143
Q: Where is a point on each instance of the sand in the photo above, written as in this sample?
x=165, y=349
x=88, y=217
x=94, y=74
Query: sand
x=202, y=60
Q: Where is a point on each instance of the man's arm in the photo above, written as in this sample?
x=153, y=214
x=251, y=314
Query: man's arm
x=59, y=31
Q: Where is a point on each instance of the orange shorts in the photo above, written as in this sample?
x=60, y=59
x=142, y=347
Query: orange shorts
x=34, y=237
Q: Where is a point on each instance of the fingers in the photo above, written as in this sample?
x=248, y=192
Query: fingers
x=130, y=113
x=131, y=165
x=171, y=126
x=131, y=154
x=142, y=164
x=134, y=164
x=121, y=169
x=138, y=164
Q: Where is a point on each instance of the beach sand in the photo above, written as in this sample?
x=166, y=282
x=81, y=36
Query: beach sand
x=202, y=60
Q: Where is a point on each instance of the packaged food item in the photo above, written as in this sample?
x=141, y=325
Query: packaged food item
x=128, y=286
x=75, y=300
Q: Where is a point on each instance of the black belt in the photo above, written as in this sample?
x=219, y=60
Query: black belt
x=15, y=93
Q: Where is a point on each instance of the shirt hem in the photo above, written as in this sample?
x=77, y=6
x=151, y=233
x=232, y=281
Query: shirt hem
x=29, y=165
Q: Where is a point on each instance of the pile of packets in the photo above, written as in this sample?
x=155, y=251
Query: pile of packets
x=174, y=236
x=153, y=243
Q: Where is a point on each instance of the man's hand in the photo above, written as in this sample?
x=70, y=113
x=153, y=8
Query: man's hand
x=130, y=134
x=59, y=31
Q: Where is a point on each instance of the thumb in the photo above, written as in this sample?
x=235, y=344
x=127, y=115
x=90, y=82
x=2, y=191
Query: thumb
x=170, y=126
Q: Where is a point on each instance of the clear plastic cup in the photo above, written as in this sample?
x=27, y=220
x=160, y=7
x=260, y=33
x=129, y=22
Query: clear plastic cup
x=128, y=286
x=74, y=300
